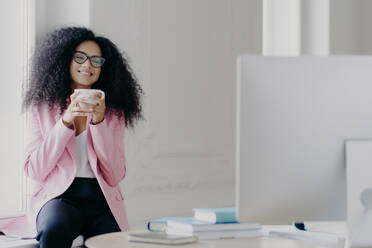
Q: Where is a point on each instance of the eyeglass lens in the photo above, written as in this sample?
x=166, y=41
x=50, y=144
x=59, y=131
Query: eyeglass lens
x=95, y=61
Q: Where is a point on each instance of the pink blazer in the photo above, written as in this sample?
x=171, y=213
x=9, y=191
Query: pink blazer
x=50, y=163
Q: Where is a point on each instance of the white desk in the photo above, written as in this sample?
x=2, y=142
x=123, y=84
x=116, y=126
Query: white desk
x=119, y=240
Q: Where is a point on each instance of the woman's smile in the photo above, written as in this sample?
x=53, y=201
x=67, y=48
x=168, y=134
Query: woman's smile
x=85, y=73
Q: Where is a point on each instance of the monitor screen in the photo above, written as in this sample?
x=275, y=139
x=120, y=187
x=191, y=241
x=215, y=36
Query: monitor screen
x=293, y=117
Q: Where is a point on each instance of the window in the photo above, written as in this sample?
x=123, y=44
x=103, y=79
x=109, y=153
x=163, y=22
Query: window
x=15, y=43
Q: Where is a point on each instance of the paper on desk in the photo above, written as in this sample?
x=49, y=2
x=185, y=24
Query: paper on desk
x=290, y=233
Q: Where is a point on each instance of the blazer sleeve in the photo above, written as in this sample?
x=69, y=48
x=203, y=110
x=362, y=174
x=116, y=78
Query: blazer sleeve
x=42, y=153
x=108, y=143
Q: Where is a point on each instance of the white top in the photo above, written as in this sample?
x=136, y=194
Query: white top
x=82, y=162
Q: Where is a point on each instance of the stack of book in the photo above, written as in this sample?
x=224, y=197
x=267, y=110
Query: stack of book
x=207, y=223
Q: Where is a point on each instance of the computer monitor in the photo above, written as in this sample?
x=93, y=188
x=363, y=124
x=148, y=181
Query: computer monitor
x=293, y=117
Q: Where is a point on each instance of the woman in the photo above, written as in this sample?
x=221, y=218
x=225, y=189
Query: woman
x=75, y=151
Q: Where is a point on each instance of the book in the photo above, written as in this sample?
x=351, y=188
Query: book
x=190, y=225
x=216, y=215
x=160, y=238
x=159, y=225
x=217, y=234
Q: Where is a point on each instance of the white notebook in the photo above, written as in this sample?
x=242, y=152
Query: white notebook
x=160, y=238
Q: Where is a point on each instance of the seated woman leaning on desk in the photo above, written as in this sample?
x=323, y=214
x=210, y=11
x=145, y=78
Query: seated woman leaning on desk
x=75, y=152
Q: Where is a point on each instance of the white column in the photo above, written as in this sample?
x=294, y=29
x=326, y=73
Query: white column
x=295, y=27
x=28, y=45
x=281, y=27
x=315, y=27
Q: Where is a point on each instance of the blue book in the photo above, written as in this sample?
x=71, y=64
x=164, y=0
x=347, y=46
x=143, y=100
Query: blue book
x=189, y=226
x=159, y=225
x=215, y=215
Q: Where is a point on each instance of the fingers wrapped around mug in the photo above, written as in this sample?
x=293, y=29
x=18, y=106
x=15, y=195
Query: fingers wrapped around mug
x=82, y=109
x=99, y=110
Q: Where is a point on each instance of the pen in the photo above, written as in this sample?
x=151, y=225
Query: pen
x=300, y=226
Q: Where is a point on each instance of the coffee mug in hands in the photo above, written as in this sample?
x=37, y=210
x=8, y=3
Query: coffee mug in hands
x=88, y=94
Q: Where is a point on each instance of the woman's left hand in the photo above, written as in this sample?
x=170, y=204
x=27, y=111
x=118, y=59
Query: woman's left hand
x=98, y=112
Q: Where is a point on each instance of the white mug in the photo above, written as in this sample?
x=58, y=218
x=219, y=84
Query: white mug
x=89, y=93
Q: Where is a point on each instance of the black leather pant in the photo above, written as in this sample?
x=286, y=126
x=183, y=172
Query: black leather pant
x=81, y=210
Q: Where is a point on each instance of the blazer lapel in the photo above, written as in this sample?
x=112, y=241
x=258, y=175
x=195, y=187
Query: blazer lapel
x=71, y=148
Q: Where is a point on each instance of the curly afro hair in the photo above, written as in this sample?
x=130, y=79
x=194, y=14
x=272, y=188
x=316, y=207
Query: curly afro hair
x=50, y=80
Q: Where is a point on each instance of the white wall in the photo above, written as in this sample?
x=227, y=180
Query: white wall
x=350, y=27
x=52, y=14
x=343, y=27
x=184, y=54
x=364, y=27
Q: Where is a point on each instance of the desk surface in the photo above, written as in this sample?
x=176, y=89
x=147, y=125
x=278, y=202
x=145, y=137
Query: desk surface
x=119, y=239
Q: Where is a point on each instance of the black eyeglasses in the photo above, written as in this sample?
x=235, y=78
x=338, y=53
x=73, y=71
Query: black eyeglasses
x=80, y=58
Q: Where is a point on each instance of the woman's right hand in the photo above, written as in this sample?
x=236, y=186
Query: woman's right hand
x=74, y=109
